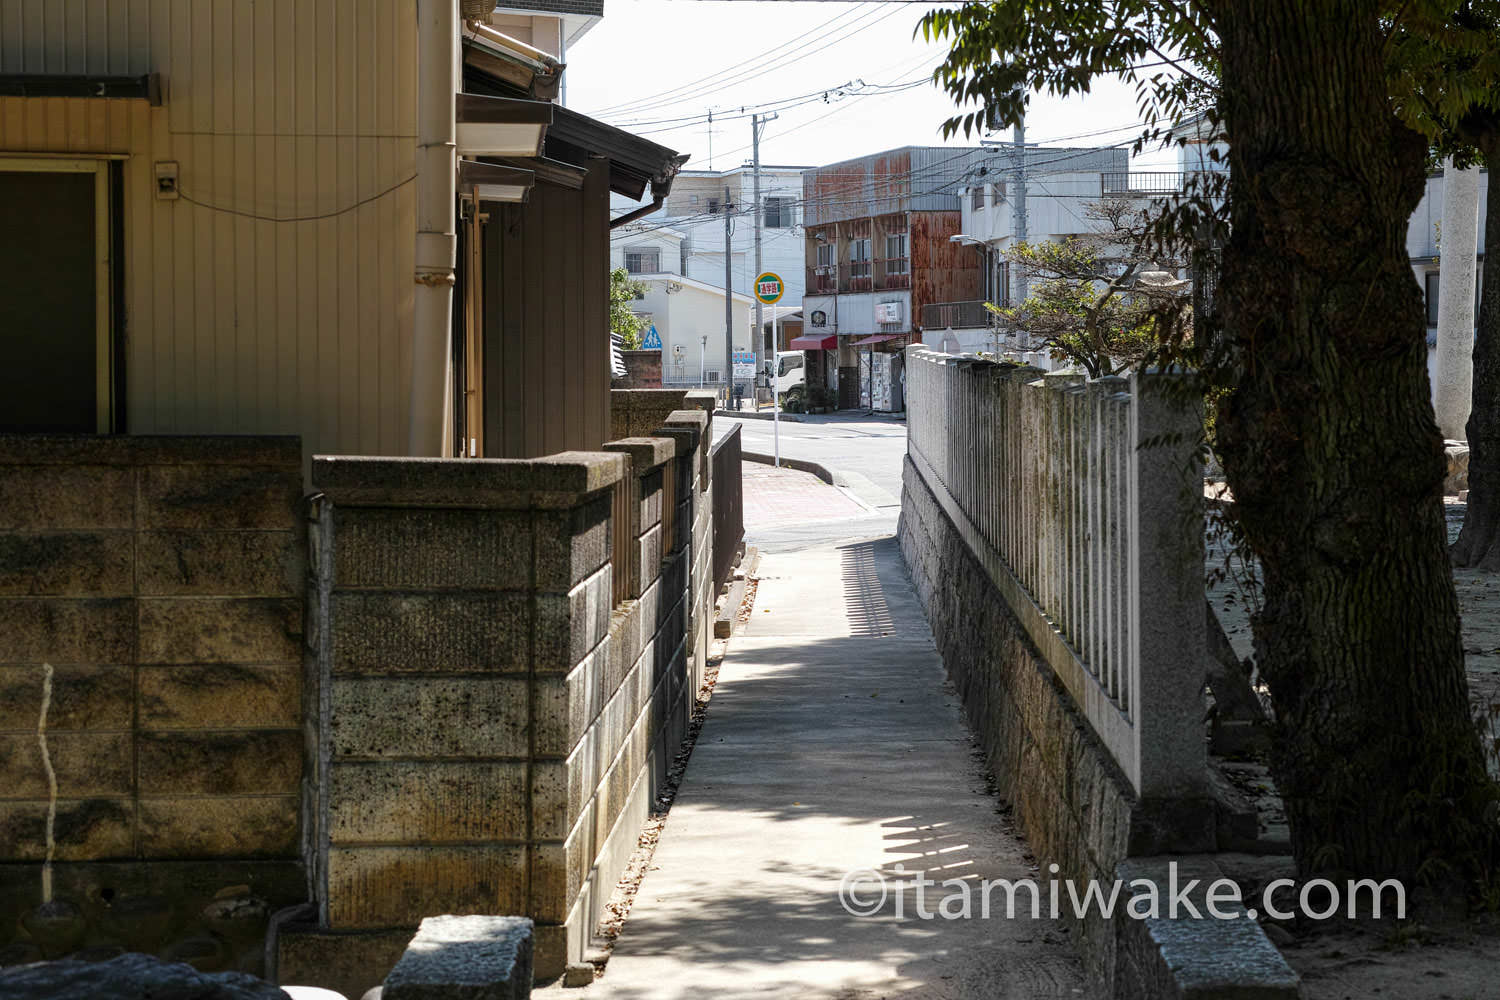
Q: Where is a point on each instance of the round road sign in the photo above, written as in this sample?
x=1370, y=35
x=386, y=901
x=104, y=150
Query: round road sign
x=769, y=287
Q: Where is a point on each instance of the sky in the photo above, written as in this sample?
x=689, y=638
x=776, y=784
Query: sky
x=651, y=63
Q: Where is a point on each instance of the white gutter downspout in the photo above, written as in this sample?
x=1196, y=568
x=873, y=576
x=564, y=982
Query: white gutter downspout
x=429, y=428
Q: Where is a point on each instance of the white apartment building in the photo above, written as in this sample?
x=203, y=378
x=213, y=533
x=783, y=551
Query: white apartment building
x=1060, y=185
x=694, y=213
x=688, y=314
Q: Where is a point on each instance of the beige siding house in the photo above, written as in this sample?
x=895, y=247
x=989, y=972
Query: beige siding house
x=344, y=587
x=268, y=293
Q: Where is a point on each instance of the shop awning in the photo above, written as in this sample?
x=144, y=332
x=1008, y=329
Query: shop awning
x=877, y=339
x=827, y=343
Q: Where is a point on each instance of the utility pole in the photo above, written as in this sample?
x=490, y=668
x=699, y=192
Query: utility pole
x=728, y=295
x=1019, y=277
x=756, y=124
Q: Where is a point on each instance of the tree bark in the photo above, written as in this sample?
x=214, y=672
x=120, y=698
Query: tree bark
x=1329, y=445
x=1479, y=542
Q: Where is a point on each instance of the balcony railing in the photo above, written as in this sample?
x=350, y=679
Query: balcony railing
x=886, y=275
x=1149, y=182
x=956, y=316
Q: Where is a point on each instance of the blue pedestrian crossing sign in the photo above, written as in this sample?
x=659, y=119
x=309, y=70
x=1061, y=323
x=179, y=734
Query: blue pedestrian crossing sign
x=652, y=341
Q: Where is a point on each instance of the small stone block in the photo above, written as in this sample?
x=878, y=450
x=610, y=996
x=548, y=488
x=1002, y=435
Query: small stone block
x=578, y=974
x=464, y=958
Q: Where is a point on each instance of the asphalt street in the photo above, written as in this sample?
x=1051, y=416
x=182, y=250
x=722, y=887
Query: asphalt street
x=863, y=453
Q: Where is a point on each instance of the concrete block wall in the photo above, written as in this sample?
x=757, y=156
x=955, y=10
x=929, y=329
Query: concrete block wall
x=637, y=412
x=456, y=598
x=629, y=706
x=699, y=528
x=162, y=580
x=495, y=725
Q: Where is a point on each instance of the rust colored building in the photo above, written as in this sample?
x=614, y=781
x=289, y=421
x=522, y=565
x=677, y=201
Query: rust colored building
x=877, y=250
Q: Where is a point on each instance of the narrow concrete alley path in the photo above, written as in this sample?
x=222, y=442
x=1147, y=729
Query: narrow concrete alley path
x=832, y=744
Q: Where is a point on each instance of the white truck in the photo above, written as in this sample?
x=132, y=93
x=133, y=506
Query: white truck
x=791, y=370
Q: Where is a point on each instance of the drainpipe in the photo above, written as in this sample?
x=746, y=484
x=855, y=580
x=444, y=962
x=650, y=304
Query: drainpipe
x=429, y=429
x=656, y=203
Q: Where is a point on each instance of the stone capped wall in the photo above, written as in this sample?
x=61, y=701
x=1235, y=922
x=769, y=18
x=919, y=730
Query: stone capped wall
x=162, y=580
x=500, y=710
x=637, y=412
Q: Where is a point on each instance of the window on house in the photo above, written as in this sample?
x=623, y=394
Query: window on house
x=684, y=251
x=825, y=254
x=859, y=258
x=778, y=213
x=1432, y=298
x=895, y=253
x=977, y=193
x=645, y=260
x=713, y=206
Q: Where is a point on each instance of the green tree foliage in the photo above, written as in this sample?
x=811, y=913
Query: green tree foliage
x=1105, y=301
x=1317, y=347
x=622, y=292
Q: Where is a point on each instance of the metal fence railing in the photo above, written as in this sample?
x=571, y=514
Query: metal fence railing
x=956, y=315
x=1124, y=182
x=729, y=505
x=1083, y=500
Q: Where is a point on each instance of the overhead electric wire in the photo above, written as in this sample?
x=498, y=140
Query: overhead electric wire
x=768, y=61
x=837, y=198
x=693, y=83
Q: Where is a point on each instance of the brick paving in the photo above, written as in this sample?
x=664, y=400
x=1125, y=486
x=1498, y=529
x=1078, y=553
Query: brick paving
x=789, y=496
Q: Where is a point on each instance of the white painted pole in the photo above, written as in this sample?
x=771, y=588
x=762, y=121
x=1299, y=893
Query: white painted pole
x=775, y=394
x=428, y=423
x=1458, y=253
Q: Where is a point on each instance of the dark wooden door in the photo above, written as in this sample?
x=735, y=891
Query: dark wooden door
x=49, y=332
x=849, y=387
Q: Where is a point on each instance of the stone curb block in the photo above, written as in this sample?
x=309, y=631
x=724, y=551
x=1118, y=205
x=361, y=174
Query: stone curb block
x=1197, y=958
x=800, y=464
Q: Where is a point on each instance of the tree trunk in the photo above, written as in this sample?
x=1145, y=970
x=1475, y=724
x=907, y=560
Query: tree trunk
x=1329, y=445
x=1479, y=542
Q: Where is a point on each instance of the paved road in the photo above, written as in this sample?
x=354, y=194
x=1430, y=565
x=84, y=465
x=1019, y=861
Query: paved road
x=864, y=453
x=833, y=744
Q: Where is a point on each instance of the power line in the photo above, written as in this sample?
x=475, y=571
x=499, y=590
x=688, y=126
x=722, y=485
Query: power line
x=621, y=108
x=767, y=62
x=749, y=110
x=836, y=199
